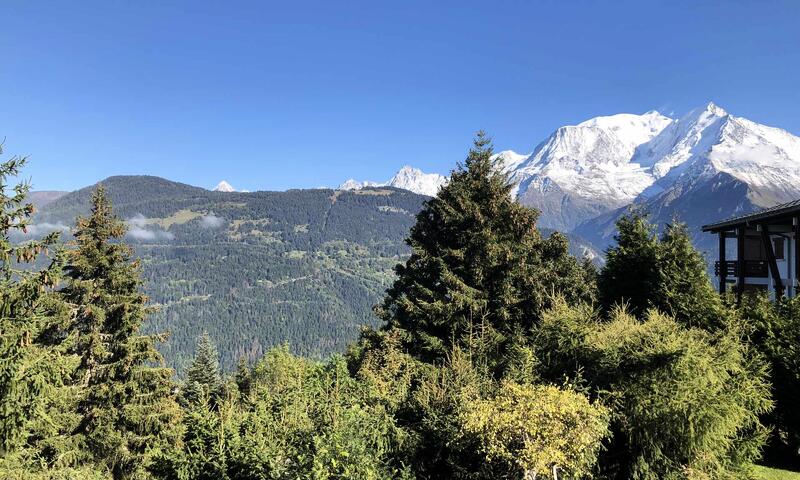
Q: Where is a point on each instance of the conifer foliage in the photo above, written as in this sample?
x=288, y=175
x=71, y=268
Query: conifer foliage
x=631, y=273
x=128, y=407
x=643, y=271
x=29, y=369
x=478, y=263
x=686, y=402
x=203, y=380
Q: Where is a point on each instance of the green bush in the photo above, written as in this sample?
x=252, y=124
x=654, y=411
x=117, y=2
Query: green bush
x=685, y=402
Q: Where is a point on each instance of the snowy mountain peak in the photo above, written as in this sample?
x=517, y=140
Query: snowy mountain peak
x=608, y=162
x=224, y=186
x=353, y=184
x=715, y=109
x=509, y=160
x=416, y=181
x=591, y=160
x=628, y=127
x=407, y=178
x=710, y=164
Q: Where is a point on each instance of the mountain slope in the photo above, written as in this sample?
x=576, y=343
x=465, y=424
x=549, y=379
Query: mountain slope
x=256, y=269
x=710, y=165
x=40, y=198
x=585, y=170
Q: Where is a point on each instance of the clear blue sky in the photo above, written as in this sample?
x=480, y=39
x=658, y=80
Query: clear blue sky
x=275, y=95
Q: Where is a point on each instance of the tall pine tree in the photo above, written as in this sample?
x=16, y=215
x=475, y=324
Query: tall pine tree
x=128, y=409
x=686, y=291
x=29, y=369
x=479, y=268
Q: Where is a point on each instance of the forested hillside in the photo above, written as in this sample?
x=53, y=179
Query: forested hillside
x=255, y=270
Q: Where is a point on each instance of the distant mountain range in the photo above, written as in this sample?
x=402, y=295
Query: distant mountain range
x=702, y=166
x=305, y=266
x=407, y=178
x=258, y=269
x=40, y=198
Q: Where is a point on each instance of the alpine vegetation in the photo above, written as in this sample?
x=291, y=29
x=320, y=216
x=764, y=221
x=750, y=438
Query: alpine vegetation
x=495, y=354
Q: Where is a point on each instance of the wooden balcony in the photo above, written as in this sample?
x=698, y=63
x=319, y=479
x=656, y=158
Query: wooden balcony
x=752, y=268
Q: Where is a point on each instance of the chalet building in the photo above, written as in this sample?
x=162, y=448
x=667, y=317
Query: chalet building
x=760, y=251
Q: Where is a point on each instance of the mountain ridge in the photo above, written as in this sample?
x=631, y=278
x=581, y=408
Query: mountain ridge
x=407, y=178
x=582, y=174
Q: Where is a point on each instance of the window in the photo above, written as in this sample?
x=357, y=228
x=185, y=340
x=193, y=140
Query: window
x=754, y=249
x=777, y=246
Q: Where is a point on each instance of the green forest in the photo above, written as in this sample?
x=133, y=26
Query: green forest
x=254, y=270
x=493, y=352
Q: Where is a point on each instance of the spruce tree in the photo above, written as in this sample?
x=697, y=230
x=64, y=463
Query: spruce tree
x=29, y=369
x=203, y=380
x=669, y=274
x=479, y=269
x=630, y=275
x=128, y=408
x=685, y=289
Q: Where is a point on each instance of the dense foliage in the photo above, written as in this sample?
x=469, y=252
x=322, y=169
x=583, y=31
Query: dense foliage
x=255, y=270
x=683, y=400
x=669, y=274
x=494, y=360
x=775, y=331
x=478, y=265
x=29, y=369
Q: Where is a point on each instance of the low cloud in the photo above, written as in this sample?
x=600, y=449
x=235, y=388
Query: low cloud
x=44, y=228
x=211, y=221
x=138, y=220
x=140, y=228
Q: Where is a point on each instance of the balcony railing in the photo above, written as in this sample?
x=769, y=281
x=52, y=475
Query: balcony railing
x=752, y=268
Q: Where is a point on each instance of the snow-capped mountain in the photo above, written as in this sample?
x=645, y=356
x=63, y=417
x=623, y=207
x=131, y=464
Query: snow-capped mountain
x=708, y=141
x=587, y=170
x=584, y=170
x=407, y=178
x=224, y=186
x=705, y=165
x=709, y=165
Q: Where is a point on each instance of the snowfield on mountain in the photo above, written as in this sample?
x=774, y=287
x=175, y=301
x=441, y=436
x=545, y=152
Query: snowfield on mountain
x=582, y=177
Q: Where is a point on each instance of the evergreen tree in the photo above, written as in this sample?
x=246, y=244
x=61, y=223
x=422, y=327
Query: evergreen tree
x=669, y=274
x=631, y=274
x=29, y=369
x=685, y=290
x=686, y=402
x=128, y=408
x=203, y=380
x=775, y=332
x=242, y=378
x=478, y=265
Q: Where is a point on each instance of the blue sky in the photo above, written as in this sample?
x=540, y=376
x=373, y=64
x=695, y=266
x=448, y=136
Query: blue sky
x=276, y=95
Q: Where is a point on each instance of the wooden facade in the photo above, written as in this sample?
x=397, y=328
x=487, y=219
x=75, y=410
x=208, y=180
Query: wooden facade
x=760, y=251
